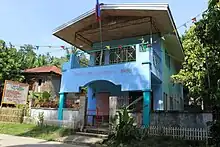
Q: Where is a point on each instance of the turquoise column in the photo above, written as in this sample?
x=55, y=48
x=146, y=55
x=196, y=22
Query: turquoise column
x=146, y=108
x=61, y=105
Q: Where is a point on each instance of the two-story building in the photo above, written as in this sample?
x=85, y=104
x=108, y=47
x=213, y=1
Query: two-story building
x=132, y=55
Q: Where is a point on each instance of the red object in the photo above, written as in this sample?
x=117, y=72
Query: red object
x=120, y=46
x=62, y=47
x=194, y=20
x=44, y=69
x=98, y=118
x=149, y=45
x=98, y=11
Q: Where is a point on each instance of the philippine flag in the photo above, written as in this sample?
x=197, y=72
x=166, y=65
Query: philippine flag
x=98, y=11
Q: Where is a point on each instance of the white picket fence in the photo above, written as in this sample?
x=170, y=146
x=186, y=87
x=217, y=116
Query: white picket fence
x=180, y=133
x=174, y=132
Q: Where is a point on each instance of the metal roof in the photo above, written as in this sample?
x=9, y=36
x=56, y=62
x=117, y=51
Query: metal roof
x=82, y=31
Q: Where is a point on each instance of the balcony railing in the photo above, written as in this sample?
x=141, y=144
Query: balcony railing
x=115, y=55
x=120, y=54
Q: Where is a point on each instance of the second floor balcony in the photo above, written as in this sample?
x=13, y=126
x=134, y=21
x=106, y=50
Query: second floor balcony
x=136, y=53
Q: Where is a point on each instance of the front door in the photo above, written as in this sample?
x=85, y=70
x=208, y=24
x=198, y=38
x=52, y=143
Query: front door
x=102, y=107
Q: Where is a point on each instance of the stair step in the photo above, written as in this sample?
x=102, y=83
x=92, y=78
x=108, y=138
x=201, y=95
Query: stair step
x=92, y=134
x=97, y=130
x=81, y=140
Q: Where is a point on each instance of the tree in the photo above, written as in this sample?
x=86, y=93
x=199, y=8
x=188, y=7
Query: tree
x=28, y=56
x=208, y=32
x=201, y=68
x=193, y=72
x=10, y=64
x=13, y=61
x=31, y=59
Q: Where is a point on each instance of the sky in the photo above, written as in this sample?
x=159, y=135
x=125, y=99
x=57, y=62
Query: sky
x=33, y=21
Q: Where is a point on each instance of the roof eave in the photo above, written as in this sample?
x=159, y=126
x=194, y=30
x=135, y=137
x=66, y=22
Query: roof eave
x=42, y=73
x=176, y=32
x=139, y=6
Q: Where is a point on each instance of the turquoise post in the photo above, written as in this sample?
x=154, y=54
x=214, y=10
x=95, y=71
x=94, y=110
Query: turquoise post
x=146, y=108
x=61, y=105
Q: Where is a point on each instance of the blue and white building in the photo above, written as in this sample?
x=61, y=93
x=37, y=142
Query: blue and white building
x=133, y=55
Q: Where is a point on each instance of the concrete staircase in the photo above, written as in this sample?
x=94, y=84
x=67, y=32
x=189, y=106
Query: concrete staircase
x=89, y=137
x=97, y=130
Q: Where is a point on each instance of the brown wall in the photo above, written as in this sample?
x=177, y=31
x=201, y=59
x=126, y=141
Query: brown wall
x=49, y=82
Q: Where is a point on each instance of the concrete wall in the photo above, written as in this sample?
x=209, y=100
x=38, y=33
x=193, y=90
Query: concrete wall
x=56, y=80
x=180, y=119
x=50, y=83
x=52, y=114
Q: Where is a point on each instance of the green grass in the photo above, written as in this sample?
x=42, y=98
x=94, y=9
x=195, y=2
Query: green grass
x=29, y=130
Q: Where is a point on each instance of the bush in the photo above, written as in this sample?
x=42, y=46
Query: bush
x=214, y=133
x=43, y=100
x=125, y=132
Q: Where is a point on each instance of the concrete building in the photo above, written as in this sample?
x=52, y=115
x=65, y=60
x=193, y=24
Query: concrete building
x=132, y=55
x=45, y=78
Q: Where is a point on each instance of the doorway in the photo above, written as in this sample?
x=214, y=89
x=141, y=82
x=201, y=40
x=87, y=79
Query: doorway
x=102, y=109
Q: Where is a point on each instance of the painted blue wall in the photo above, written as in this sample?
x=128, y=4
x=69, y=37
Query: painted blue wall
x=157, y=93
x=73, y=63
x=131, y=76
x=137, y=76
x=156, y=59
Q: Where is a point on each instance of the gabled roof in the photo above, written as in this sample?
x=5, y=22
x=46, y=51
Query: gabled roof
x=44, y=69
x=121, y=21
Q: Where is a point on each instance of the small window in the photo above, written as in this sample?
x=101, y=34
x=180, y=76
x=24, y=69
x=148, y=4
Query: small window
x=39, y=82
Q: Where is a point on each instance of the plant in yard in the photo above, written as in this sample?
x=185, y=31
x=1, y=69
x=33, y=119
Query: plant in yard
x=40, y=119
x=43, y=99
x=125, y=131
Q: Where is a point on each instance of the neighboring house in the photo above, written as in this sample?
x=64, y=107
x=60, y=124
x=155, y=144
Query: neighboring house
x=140, y=51
x=45, y=78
